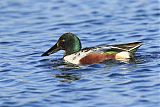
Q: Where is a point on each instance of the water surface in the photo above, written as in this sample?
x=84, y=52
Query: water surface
x=30, y=27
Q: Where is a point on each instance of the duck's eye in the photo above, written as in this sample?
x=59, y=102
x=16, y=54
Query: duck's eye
x=63, y=40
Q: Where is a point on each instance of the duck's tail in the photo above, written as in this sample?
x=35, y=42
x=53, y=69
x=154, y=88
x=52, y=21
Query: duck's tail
x=136, y=45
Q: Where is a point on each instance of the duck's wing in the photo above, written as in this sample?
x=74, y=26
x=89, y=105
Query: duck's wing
x=129, y=47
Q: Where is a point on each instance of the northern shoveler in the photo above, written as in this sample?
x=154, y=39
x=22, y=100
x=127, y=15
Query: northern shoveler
x=71, y=44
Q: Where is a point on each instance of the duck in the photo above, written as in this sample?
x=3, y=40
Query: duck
x=74, y=54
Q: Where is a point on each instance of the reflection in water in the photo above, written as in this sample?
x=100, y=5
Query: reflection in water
x=68, y=77
x=66, y=71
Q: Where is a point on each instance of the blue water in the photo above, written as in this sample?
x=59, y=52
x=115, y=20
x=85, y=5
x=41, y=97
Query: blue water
x=30, y=27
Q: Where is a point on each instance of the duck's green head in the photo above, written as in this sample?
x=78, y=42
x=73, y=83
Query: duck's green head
x=68, y=42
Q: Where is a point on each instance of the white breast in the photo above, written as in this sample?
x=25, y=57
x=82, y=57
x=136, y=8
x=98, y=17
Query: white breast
x=75, y=58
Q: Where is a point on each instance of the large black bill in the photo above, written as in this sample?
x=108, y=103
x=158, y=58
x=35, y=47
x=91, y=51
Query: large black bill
x=53, y=49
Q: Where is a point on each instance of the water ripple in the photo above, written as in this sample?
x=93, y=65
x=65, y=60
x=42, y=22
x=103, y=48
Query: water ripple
x=28, y=28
